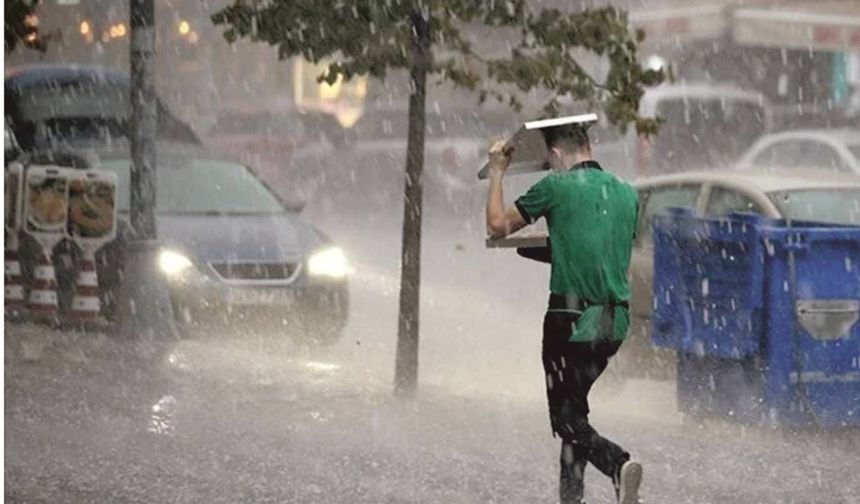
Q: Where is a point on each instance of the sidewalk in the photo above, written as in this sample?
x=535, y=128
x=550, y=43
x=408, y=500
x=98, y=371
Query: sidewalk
x=89, y=419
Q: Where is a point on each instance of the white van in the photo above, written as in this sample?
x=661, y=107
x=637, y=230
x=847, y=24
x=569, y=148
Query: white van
x=706, y=126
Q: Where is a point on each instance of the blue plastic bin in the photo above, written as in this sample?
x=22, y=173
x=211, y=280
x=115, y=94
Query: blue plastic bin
x=763, y=316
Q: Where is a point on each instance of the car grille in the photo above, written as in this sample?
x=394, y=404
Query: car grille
x=250, y=271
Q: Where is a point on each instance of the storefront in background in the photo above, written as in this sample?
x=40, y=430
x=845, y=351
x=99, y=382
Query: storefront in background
x=804, y=56
x=343, y=99
x=824, y=38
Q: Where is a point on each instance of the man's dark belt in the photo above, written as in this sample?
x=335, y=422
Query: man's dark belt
x=569, y=302
x=558, y=302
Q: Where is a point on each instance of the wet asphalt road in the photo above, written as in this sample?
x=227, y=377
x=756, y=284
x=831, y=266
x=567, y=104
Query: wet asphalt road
x=258, y=421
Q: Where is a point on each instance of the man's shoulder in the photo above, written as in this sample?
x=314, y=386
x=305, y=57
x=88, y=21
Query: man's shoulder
x=592, y=178
x=620, y=181
x=621, y=188
x=604, y=176
x=631, y=195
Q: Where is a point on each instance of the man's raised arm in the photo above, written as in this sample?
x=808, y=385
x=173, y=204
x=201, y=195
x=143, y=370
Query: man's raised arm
x=500, y=221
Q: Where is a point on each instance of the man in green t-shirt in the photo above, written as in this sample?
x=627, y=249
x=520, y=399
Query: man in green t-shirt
x=591, y=216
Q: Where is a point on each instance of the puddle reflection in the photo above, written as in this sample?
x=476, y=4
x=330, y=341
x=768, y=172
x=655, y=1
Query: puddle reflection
x=161, y=419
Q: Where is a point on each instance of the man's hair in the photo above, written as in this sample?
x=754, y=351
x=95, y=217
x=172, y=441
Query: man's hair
x=569, y=138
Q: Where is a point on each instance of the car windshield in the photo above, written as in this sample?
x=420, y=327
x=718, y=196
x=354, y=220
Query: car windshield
x=85, y=129
x=86, y=99
x=198, y=186
x=839, y=206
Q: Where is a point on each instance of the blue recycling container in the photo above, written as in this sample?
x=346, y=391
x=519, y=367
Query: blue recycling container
x=763, y=315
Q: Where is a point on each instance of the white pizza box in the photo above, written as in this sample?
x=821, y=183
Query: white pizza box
x=530, y=154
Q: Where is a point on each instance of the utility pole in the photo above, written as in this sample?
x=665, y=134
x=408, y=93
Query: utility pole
x=145, y=310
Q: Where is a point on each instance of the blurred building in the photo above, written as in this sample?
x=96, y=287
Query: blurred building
x=804, y=55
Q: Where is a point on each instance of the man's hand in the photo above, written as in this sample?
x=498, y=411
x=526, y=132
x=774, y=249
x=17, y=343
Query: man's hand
x=500, y=156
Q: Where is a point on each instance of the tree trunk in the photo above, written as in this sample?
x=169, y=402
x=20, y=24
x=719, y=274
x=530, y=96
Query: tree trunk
x=144, y=118
x=406, y=365
x=144, y=307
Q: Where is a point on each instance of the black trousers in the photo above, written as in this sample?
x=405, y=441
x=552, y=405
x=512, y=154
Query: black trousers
x=571, y=368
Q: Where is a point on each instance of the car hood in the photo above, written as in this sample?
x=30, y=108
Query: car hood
x=279, y=237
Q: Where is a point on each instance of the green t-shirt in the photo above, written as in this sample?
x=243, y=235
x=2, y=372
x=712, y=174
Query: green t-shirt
x=591, y=216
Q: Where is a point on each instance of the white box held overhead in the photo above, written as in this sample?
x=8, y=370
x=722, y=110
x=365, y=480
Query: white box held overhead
x=530, y=154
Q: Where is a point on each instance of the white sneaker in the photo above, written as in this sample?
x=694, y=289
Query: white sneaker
x=629, y=480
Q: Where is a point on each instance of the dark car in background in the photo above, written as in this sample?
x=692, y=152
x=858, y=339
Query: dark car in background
x=272, y=136
x=52, y=105
x=234, y=250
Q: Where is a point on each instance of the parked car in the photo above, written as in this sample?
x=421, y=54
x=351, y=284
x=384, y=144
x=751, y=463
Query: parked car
x=808, y=196
x=831, y=149
x=52, y=105
x=233, y=250
x=707, y=126
x=273, y=136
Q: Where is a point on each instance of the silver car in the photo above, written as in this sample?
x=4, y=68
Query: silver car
x=831, y=149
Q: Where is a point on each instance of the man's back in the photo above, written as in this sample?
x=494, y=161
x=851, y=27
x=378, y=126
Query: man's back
x=591, y=215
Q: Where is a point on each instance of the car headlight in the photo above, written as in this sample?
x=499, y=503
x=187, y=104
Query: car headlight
x=329, y=262
x=173, y=263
